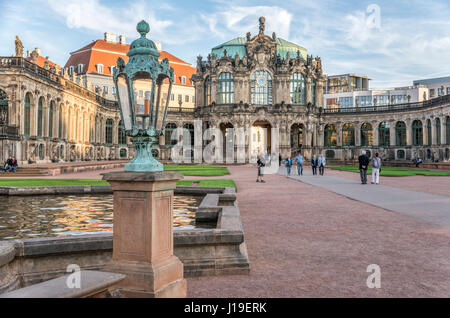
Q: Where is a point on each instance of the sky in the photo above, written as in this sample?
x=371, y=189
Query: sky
x=393, y=42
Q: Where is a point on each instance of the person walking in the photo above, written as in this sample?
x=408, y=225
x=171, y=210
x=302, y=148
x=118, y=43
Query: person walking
x=299, y=160
x=363, y=166
x=260, y=164
x=314, y=165
x=288, y=164
x=376, y=167
x=321, y=163
x=279, y=160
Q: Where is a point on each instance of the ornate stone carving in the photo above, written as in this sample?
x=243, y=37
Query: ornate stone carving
x=19, y=47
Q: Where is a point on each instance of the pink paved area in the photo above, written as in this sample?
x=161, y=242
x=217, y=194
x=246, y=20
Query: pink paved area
x=304, y=241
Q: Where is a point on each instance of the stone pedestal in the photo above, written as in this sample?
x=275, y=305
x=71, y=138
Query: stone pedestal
x=143, y=234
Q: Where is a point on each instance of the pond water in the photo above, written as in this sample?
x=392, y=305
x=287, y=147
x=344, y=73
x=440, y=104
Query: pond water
x=44, y=216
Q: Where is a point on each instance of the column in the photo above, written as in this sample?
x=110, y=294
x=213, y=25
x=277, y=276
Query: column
x=357, y=126
x=375, y=133
x=308, y=90
x=408, y=132
x=392, y=138
x=433, y=132
x=143, y=235
x=444, y=141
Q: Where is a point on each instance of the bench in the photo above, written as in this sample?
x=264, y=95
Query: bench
x=92, y=283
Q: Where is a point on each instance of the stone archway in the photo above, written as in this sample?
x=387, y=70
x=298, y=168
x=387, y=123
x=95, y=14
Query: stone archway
x=260, y=139
x=297, y=137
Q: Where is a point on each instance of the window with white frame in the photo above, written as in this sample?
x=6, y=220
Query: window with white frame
x=183, y=80
x=105, y=89
x=100, y=68
x=71, y=69
x=80, y=68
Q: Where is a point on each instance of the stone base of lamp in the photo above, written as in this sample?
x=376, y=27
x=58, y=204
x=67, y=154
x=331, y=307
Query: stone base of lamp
x=143, y=234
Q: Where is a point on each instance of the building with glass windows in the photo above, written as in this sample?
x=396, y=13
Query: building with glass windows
x=255, y=82
x=261, y=82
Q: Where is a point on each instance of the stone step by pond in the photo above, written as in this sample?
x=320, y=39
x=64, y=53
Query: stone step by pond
x=91, y=284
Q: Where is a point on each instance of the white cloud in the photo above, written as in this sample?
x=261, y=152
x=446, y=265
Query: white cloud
x=233, y=20
x=94, y=16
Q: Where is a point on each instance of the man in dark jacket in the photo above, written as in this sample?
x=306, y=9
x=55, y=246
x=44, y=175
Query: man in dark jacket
x=314, y=163
x=363, y=166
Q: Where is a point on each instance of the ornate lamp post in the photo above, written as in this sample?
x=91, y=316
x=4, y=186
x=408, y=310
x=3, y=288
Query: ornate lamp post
x=143, y=122
x=143, y=193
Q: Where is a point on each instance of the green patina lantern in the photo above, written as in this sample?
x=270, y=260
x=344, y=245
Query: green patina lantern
x=143, y=87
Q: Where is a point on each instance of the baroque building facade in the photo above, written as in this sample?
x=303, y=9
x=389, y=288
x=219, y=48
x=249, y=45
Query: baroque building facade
x=255, y=83
x=271, y=83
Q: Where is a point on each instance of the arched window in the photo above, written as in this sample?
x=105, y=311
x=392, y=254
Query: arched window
x=417, y=133
x=400, y=134
x=348, y=135
x=121, y=134
x=207, y=92
x=27, y=116
x=429, y=133
x=170, y=127
x=39, y=116
x=225, y=89
x=400, y=154
x=3, y=108
x=384, y=136
x=447, y=130
x=438, y=131
x=190, y=128
x=261, y=88
x=50, y=119
x=313, y=91
x=366, y=135
x=108, y=131
x=123, y=153
x=298, y=88
x=330, y=136
x=41, y=152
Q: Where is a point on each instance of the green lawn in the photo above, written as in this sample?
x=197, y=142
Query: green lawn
x=49, y=182
x=220, y=183
x=198, y=170
x=188, y=170
x=77, y=182
x=395, y=171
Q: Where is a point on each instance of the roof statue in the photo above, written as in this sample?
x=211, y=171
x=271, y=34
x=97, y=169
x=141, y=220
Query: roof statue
x=46, y=63
x=262, y=20
x=19, y=47
x=34, y=56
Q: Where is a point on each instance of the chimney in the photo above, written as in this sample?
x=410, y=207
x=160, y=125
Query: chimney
x=158, y=45
x=122, y=39
x=110, y=37
x=38, y=50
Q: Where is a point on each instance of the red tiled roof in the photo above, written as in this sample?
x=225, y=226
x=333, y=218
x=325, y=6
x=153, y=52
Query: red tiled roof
x=40, y=61
x=106, y=53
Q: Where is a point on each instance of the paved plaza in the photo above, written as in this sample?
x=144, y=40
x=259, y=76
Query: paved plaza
x=306, y=240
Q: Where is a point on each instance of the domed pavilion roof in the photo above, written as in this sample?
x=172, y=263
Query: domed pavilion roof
x=237, y=45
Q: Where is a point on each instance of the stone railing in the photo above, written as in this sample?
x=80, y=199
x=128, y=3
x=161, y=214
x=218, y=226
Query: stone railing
x=438, y=101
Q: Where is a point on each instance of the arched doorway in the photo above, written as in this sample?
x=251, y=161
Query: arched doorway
x=260, y=139
x=227, y=137
x=297, y=138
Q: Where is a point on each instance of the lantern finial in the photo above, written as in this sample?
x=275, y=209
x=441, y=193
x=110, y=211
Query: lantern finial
x=143, y=28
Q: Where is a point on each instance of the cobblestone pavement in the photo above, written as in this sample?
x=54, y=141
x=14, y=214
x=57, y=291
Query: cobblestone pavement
x=305, y=241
